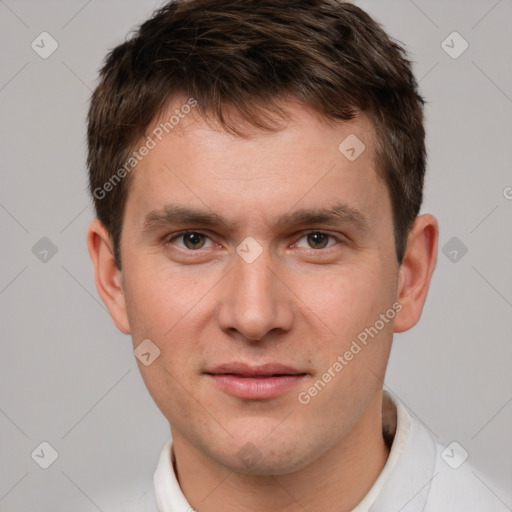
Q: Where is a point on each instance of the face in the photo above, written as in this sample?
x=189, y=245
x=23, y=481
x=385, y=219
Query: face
x=256, y=266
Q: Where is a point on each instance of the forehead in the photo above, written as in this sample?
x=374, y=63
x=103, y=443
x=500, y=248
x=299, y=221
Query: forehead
x=308, y=163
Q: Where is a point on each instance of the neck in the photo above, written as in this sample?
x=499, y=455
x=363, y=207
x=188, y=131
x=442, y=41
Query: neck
x=337, y=480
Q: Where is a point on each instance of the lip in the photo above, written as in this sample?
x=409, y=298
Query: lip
x=255, y=382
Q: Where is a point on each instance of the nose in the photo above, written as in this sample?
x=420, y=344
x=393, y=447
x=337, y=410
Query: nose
x=253, y=301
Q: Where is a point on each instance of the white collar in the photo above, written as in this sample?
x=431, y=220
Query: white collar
x=403, y=483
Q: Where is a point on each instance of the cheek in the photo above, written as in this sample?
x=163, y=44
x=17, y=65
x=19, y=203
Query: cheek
x=159, y=301
x=353, y=353
x=352, y=357
x=161, y=316
x=165, y=385
x=348, y=299
x=170, y=321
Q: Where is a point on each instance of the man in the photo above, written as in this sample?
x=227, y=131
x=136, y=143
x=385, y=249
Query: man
x=257, y=170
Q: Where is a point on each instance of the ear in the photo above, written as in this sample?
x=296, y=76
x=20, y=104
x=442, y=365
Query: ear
x=108, y=277
x=416, y=271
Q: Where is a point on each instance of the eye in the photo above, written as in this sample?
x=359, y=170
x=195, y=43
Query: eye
x=317, y=240
x=191, y=240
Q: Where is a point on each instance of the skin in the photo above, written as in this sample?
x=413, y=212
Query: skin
x=300, y=303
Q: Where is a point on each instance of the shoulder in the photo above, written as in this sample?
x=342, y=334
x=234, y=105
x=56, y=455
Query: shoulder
x=145, y=501
x=457, y=485
x=430, y=477
x=139, y=496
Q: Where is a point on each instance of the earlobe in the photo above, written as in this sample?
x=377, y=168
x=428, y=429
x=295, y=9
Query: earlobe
x=108, y=277
x=416, y=271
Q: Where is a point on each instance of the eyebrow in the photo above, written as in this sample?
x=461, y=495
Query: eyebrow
x=177, y=214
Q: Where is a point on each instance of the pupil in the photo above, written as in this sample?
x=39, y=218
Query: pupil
x=193, y=239
x=318, y=238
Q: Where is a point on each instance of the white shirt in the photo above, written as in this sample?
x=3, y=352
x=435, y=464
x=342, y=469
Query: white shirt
x=415, y=478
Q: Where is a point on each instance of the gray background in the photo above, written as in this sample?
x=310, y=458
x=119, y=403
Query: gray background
x=68, y=377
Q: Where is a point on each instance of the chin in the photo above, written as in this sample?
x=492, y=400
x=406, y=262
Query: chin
x=273, y=464
x=268, y=458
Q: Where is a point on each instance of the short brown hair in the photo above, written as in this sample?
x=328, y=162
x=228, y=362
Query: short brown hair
x=248, y=55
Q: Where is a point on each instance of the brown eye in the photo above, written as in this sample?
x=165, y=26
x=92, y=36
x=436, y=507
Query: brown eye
x=193, y=240
x=317, y=240
x=190, y=240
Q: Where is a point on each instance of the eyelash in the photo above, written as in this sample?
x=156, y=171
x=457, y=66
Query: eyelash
x=181, y=234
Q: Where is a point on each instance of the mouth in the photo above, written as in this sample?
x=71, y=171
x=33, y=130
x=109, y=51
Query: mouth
x=255, y=382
